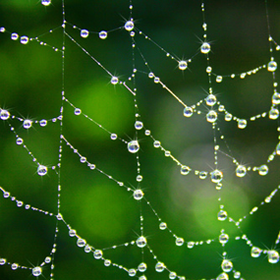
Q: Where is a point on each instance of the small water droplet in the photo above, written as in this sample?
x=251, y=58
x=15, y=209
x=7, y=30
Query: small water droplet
x=188, y=112
x=77, y=111
x=43, y=123
x=42, y=170
x=179, y=241
x=138, y=125
x=222, y=215
x=263, y=170
x=211, y=100
x=14, y=266
x=271, y=66
x=14, y=36
x=4, y=114
x=114, y=80
x=185, y=170
x=278, y=149
x=129, y=25
x=172, y=275
x=27, y=124
x=216, y=176
x=275, y=98
x=98, y=254
x=24, y=40
x=255, y=252
x=240, y=171
x=219, y=79
x=72, y=232
x=46, y=2
x=162, y=226
x=273, y=113
x=114, y=136
x=242, y=123
x=228, y=117
x=133, y=146
x=142, y=267
x=227, y=265
x=202, y=175
x=37, y=271
x=138, y=194
x=84, y=33
x=183, y=65
x=222, y=276
x=223, y=238
x=273, y=256
x=141, y=242
x=19, y=141
x=2, y=261
x=205, y=48
x=160, y=267
x=103, y=35
x=132, y=272
x=107, y=262
x=190, y=244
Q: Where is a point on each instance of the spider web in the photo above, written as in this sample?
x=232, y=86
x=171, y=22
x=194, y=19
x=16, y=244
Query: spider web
x=139, y=140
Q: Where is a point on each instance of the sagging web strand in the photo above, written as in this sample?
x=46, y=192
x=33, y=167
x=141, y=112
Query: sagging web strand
x=133, y=146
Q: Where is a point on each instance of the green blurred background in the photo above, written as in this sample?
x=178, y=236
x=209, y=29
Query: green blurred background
x=102, y=212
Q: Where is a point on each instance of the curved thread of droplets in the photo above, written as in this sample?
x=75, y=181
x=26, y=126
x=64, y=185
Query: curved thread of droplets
x=133, y=147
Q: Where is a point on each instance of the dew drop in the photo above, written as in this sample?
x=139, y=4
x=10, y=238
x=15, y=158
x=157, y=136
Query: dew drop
x=271, y=66
x=133, y=146
x=42, y=170
x=202, y=175
x=27, y=124
x=222, y=276
x=205, y=48
x=132, y=272
x=227, y=266
x=188, y=112
x=185, y=170
x=160, y=267
x=278, y=149
x=37, y=271
x=129, y=25
x=138, y=125
x=14, y=36
x=142, y=277
x=83, y=159
x=219, y=79
x=81, y=242
x=24, y=40
x=216, y=176
x=263, y=170
x=142, y=267
x=138, y=194
x=43, y=123
x=4, y=114
x=107, y=262
x=211, y=116
x=113, y=136
x=273, y=256
x=72, y=232
x=103, y=35
x=162, y=226
x=2, y=261
x=222, y=215
x=172, y=275
x=19, y=141
x=223, y=238
x=84, y=33
x=141, y=242
x=98, y=254
x=139, y=178
x=14, y=266
x=183, y=65
x=211, y=100
x=242, y=124
x=179, y=241
x=240, y=171
x=46, y=2
x=273, y=113
x=275, y=98
x=114, y=80
x=255, y=252
x=228, y=117
x=77, y=111
x=190, y=244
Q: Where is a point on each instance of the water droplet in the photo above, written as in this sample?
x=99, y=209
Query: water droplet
x=240, y=171
x=46, y=2
x=273, y=113
x=132, y=272
x=183, y=65
x=129, y=25
x=139, y=178
x=84, y=33
x=172, y=275
x=24, y=40
x=227, y=266
x=179, y=241
x=2, y=261
x=138, y=194
x=211, y=100
x=190, y=244
x=142, y=277
x=219, y=79
x=114, y=136
x=114, y=80
x=202, y=175
x=43, y=123
x=242, y=124
x=188, y=112
x=2, y=29
x=185, y=170
x=222, y=276
x=27, y=124
x=138, y=125
x=42, y=170
x=133, y=146
x=107, y=262
x=147, y=132
x=263, y=170
x=81, y=242
x=162, y=226
x=278, y=149
x=141, y=242
x=83, y=159
x=255, y=252
x=77, y=111
x=4, y=114
x=205, y=48
x=14, y=266
x=14, y=36
x=222, y=215
x=273, y=256
x=216, y=176
x=98, y=254
x=223, y=238
x=37, y=271
x=211, y=116
x=209, y=69
x=103, y=35
x=271, y=66
x=160, y=267
x=228, y=117
x=275, y=98
x=19, y=141
x=142, y=267
x=72, y=232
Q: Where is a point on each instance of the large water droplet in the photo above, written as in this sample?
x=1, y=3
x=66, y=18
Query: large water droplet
x=273, y=256
x=211, y=116
x=226, y=265
x=14, y=36
x=160, y=267
x=138, y=194
x=42, y=170
x=275, y=98
x=222, y=276
x=255, y=252
x=4, y=114
x=133, y=146
x=278, y=149
x=185, y=170
x=271, y=66
x=141, y=242
x=188, y=111
x=240, y=171
x=216, y=176
x=263, y=170
x=162, y=226
x=37, y=271
x=103, y=35
x=24, y=40
x=242, y=123
x=183, y=65
x=179, y=241
x=114, y=80
x=228, y=117
x=84, y=33
x=81, y=242
x=138, y=125
x=172, y=275
x=132, y=272
x=27, y=124
x=273, y=113
x=2, y=261
x=211, y=100
x=222, y=215
x=129, y=25
x=46, y=2
x=223, y=238
x=98, y=254
x=142, y=267
x=205, y=48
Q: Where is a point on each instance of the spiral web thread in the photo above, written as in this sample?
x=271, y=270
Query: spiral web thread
x=209, y=110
